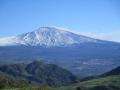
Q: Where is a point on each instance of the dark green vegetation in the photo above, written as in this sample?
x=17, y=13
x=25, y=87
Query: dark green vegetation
x=39, y=73
x=8, y=82
x=107, y=81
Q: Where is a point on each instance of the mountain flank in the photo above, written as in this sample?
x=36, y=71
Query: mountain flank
x=39, y=73
x=79, y=54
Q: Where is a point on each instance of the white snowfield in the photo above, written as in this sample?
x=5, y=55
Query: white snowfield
x=47, y=36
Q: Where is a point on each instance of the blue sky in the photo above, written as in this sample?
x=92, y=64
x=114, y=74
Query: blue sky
x=20, y=16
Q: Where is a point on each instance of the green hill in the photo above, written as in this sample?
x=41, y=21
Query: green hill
x=38, y=73
x=105, y=83
x=108, y=82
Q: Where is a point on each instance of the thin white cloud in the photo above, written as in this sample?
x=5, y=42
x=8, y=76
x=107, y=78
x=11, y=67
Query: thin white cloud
x=111, y=36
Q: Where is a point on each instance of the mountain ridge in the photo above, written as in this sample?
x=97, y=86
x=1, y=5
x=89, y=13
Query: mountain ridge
x=47, y=36
x=78, y=54
x=115, y=71
x=39, y=73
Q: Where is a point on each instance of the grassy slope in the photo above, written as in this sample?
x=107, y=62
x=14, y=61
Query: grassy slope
x=106, y=81
x=111, y=80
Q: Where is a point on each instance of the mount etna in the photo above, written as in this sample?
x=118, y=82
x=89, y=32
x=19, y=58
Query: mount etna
x=79, y=54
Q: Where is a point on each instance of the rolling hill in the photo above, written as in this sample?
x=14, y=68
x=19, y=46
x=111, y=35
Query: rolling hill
x=38, y=73
x=109, y=82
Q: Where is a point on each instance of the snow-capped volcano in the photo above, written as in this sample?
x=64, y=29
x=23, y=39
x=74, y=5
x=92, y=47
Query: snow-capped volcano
x=46, y=36
x=79, y=54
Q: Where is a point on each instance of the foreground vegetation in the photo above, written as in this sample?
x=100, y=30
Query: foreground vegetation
x=105, y=83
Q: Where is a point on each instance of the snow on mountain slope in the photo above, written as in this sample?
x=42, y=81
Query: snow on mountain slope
x=46, y=36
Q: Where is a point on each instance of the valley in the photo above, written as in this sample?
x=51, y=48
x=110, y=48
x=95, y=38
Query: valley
x=52, y=59
x=107, y=81
x=59, y=44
